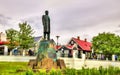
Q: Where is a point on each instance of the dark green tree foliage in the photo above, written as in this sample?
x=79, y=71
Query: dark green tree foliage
x=12, y=36
x=107, y=43
x=25, y=35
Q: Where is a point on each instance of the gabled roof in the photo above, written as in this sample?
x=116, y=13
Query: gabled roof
x=58, y=47
x=83, y=44
x=69, y=46
x=66, y=46
x=1, y=43
x=36, y=39
x=4, y=42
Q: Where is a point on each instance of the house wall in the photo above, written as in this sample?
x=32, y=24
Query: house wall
x=66, y=52
x=2, y=36
x=5, y=49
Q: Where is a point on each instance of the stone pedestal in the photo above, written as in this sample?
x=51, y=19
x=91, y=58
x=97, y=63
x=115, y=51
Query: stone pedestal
x=46, y=50
x=46, y=63
x=61, y=64
x=46, y=57
x=32, y=63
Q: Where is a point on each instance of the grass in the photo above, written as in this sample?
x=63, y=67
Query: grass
x=10, y=68
x=21, y=68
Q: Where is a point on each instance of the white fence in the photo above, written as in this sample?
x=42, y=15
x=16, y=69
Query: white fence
x=79, y=63
x=70, y=62
x=16, y=58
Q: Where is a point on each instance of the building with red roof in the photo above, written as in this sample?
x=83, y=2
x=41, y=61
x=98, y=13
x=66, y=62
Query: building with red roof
x=77, y=45
x=3, y=46
x=83, y=45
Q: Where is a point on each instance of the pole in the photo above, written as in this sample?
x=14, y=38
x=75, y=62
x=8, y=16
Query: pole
x=57, y=40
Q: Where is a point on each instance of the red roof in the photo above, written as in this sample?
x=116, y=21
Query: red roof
x=83, y=44
x=58, y=47
x=3, y=42
x=67, y=46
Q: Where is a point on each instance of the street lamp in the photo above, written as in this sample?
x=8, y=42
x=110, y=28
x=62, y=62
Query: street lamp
x=57, y=40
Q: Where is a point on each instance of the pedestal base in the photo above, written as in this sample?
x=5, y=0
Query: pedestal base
x=47, y=63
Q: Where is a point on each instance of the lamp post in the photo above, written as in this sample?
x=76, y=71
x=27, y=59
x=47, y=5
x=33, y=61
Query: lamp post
x=57, y=40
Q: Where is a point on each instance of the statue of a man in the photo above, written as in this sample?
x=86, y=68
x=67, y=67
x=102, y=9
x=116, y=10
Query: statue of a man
x=46, y=25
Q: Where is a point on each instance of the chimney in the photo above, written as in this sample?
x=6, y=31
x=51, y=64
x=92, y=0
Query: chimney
x=85, y=40
x=78, y=37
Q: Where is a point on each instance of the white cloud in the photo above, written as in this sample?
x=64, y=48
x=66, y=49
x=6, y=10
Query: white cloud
x=69, y=18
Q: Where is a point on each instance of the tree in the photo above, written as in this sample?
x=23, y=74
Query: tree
x=25, y=35
x=107, y=43
x=13, y=37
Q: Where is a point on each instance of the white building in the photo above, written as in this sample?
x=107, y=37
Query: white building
x=3, y=46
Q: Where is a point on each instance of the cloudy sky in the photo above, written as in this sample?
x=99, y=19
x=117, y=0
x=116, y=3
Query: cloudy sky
x=69, y=18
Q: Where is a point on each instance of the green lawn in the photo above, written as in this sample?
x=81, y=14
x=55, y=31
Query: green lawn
x=15, y=68
x=11, y=68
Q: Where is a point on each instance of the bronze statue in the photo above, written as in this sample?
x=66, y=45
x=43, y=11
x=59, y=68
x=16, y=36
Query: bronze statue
x=46, y=25
x=46, y=51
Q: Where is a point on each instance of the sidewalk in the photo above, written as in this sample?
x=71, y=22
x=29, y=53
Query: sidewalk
x=16, y=58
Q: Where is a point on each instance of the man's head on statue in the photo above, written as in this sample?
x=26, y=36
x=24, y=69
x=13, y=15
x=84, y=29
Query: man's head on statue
x=46, y=12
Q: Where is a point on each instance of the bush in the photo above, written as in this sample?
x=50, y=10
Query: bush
x=29, y=72
x=55, y=72
x=42, y=72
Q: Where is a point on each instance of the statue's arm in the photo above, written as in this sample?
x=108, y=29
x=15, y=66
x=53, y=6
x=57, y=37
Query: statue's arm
x=49, y=21
x=43, y=20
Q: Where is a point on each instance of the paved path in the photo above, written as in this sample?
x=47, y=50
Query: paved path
x=16, y=58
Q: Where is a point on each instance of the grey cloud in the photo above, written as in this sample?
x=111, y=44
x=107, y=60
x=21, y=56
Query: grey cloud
x=34, y=20
x=119, y=25
x=117, y=31
x=3, y=16
x=87, y=17
x=70, y=16
x=35, y=23
x=4, y=20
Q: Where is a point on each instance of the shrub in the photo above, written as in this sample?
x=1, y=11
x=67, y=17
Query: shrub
x=42, y=72
x=29, y=72
x=55, y=72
